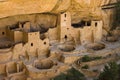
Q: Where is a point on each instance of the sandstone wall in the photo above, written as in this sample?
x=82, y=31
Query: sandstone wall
x=18, y=51
x=53, y=31
x=79, y=9
x=5, y=55
x=36, y=20
x=17, y=7
x=2, y=68
x=91, y=9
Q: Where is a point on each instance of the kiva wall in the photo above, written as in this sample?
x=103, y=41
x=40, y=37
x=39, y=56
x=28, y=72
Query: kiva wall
x=5, y=55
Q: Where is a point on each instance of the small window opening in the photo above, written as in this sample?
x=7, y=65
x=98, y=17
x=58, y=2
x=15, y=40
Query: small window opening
x=22, y=25
x=65, y=15
x=67, y=28
x=88, y=23
x=3, y=33
x=45, y=43
x=31, y=44
x=65, y=37
x=96, y=24
x=64, y=20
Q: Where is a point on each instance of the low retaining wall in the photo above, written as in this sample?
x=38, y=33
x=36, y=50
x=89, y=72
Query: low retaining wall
x=5, y=54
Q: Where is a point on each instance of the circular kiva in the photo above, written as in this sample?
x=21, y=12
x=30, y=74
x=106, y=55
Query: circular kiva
x=111, y=39
x=4, y=45
x=44, y=64
x=95, y=46
x=66, y=48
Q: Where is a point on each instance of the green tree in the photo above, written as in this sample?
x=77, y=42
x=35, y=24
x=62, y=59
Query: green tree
x=71, y=74
x=110, y=72
x=86, y=58
x=119, y=72
x=85, y=67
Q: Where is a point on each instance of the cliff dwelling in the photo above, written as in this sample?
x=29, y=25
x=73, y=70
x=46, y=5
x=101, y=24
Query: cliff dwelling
x=41, y=39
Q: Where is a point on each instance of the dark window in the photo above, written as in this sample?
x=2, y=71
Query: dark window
x=65, y=37
x=45, y=43
x=96, y=24
x=22, y=25
x=64, y=20
x=65, y=15
x=31, y=44
x=88, y=23
x=3, y=33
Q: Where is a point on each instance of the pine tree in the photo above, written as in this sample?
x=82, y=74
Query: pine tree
x=110, y=72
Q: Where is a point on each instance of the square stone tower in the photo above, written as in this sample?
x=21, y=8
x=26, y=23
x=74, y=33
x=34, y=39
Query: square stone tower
x=97, y=28
x=65, y=26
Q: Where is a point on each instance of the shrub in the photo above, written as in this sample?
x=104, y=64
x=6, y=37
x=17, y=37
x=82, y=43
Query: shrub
x=111, y=72
x=85, y=67
x=87, y=58
x=72, y=74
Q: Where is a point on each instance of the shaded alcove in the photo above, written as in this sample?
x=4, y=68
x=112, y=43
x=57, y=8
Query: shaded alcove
x=81, y=24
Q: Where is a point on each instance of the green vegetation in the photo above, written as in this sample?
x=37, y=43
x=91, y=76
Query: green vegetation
x=71, y=74
x=85, y=67
x=87, y=58
x=111, y=72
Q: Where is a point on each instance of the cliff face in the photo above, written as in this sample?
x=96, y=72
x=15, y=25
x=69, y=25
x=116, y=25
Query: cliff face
x=17, y=7
x=13, y=11
x=80, y=9
x=91, y=10
x=88, y=8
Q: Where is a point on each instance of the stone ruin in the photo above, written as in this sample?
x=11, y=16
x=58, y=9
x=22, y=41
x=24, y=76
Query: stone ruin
x=32, y=51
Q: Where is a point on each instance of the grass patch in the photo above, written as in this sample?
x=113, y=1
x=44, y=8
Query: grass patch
x=71, y=74
x=87, y=58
